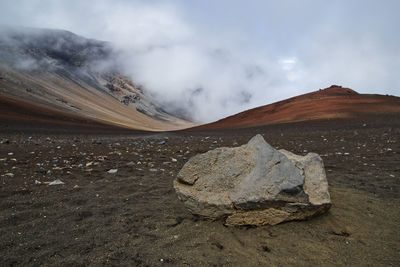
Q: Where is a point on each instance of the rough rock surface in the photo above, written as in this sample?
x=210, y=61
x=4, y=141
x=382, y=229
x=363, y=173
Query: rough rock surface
x=254, y=184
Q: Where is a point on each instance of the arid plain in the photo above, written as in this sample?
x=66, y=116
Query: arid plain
x=133, y=217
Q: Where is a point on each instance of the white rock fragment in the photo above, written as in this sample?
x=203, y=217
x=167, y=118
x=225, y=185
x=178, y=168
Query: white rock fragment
x=111, y=171
x=56, y=182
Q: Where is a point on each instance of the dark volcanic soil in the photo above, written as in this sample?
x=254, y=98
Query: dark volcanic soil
x=133, y=217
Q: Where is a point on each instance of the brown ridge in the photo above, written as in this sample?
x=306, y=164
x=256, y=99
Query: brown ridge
x=334, y=102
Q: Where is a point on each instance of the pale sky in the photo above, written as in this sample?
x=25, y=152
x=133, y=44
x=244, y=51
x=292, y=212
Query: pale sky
x=217, y=58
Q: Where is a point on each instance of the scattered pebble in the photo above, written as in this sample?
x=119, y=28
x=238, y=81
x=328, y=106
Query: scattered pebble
x=56, y=182
x=111, y=171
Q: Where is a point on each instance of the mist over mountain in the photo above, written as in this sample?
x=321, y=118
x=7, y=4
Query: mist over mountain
x=206, y=60
x=54, y=47
x=73, y=76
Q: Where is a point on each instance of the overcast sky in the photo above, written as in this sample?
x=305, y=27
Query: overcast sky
x=217, y=58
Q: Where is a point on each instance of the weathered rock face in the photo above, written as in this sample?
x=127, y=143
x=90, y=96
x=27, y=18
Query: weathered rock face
x=254, y=184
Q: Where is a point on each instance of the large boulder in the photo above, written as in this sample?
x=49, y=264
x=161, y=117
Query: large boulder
x=254, y=184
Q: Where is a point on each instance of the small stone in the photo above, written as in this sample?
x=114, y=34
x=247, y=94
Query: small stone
x=56, y=182
x=112, y=171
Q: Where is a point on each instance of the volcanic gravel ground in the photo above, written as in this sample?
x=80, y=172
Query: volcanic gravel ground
x=133, y=217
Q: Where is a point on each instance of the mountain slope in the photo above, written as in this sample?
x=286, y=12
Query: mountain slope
x=72, y=77
x=334, y=102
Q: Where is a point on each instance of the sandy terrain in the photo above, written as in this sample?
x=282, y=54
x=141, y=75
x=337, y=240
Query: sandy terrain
x=133, y=217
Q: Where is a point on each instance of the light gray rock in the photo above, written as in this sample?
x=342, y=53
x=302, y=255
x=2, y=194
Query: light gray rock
x=253, y=184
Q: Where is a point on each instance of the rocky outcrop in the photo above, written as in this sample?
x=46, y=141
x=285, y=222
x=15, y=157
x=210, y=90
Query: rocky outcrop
x=254, y=184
